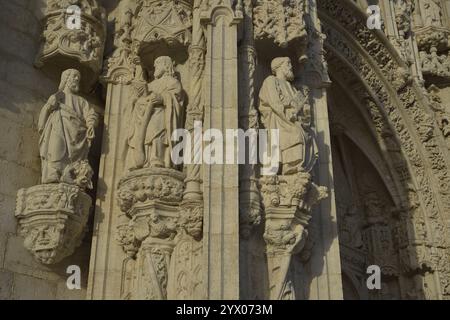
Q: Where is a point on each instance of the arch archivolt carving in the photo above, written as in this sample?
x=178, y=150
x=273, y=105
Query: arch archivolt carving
x=398, y=105
x=362, y=132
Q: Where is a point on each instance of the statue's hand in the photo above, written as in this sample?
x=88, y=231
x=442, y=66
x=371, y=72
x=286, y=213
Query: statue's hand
x=53, y=101
x=90, y=134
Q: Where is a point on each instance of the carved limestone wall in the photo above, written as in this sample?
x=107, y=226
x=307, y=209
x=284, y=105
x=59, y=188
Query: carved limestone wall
x=362, y=176
x=23, y=91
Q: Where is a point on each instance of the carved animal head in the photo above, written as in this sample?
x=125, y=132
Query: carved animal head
x=79, y=173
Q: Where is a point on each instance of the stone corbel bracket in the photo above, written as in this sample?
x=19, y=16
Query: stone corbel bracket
x=73, y=38
x=52, y=219
x=288, y=202
x=150, y=199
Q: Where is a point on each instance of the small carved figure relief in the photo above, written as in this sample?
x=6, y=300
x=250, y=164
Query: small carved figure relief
x=67, y=127
x=431, y=13
x=155, y=116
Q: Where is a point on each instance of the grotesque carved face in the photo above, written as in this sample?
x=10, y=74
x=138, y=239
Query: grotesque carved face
x=44, y=242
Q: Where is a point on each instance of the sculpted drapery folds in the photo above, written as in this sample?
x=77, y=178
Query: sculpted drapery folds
x=288, y=197
x=283, y=107
x=154, y=117
x=67, y=127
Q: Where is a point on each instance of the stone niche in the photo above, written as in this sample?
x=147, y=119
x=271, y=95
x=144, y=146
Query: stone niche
x=74, y=33
x=52, y=220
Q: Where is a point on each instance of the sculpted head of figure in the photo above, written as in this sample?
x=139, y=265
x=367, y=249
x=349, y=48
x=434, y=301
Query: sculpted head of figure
x=44, y=241
x=70, y=79
x=282, y=68
x=163, y=66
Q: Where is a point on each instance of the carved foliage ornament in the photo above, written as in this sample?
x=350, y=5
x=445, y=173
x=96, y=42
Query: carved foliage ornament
x=280, y=21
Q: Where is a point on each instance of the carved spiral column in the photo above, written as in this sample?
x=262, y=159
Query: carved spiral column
x=195, y=109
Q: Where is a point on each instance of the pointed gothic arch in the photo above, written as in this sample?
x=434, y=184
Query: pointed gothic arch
x=399, y=109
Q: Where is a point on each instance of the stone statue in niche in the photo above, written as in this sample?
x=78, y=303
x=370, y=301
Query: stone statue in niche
x=289, y=195
x=67, y=127
x=154, y=117
x=285, y=108
x=432, y=13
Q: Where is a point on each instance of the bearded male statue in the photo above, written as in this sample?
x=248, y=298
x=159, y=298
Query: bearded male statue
x=285, y=108
x=67, y=127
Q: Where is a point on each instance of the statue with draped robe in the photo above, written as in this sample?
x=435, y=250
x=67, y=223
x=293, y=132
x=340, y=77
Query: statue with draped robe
x=154, y=118
x=67, y=127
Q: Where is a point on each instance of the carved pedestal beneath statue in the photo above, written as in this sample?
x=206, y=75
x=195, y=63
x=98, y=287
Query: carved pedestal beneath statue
x=150, y=198
x=52, y=220
x=288, y=200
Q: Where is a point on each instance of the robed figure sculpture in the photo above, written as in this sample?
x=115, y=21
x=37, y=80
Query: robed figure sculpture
x=285, y=108
x=154, y=118
x=66, y=127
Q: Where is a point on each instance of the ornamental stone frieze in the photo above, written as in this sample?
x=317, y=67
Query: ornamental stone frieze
x=52, y=216
x=74, y=36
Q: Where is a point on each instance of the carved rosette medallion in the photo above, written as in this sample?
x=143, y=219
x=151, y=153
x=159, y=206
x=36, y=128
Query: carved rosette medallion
x=288, y=200
x=52, y=220
x=150, y=198
x=74, y=36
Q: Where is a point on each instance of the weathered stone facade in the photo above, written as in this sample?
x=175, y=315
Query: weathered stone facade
x=92, y=91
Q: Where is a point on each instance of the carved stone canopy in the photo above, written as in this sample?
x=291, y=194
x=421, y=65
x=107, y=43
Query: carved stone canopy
x=74, y=33
x=165, y=25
